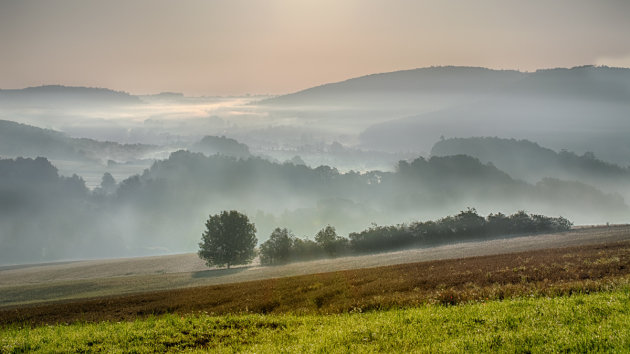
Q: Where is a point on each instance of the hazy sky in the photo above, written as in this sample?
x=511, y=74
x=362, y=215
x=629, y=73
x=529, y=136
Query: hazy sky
x=280, y=46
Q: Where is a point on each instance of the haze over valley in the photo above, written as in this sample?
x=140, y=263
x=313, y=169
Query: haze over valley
x=136, y=174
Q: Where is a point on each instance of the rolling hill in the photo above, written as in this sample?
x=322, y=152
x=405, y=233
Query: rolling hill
x=28, y=141
x=53, y=95
x=452, y=83
x=531, y=162
x=580, y=109
x=584, y=82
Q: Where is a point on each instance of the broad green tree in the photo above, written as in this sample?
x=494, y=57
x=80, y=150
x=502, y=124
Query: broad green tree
x=229, y=239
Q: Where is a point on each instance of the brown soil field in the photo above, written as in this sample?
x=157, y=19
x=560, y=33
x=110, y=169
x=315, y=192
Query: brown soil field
x=546, y=272
x=31, y=284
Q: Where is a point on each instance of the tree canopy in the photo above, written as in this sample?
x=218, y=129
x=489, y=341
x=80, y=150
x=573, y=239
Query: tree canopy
x=229, y=239
x=328, y=239
x=277, y=249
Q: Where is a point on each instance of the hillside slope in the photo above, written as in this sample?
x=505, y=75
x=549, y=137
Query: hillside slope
x=84, y=279
x=531, y=162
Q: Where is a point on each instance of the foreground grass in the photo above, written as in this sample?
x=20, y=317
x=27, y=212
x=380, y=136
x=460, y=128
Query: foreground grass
x=581, y=322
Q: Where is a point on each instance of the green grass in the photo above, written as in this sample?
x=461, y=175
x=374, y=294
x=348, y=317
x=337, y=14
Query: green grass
x=581, y=322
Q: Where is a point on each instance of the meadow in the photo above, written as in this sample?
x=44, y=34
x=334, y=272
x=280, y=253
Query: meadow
x=579, y=323
x=543, y=300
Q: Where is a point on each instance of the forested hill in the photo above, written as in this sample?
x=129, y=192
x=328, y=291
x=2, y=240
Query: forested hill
x=303, y=198
x=28, y=141
x=65, y=95
x=529, y=161
x=211, y=145
x=585, y=82
x=579, y=109
x=162, y=210
x=448, y=80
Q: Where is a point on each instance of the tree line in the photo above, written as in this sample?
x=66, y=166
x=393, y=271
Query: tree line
x=228, y=229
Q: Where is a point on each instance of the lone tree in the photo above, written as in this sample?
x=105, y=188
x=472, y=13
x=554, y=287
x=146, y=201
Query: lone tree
x=229, y=239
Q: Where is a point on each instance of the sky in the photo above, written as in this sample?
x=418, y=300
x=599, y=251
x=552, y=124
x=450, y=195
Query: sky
x=236, y=47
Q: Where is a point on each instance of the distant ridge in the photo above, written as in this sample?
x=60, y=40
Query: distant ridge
x=604, y=83
x=581, y=109
x=590, y=82
x=439, y=79
x=59, y=94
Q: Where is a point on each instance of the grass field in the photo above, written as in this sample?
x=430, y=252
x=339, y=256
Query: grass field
x=579, y=323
